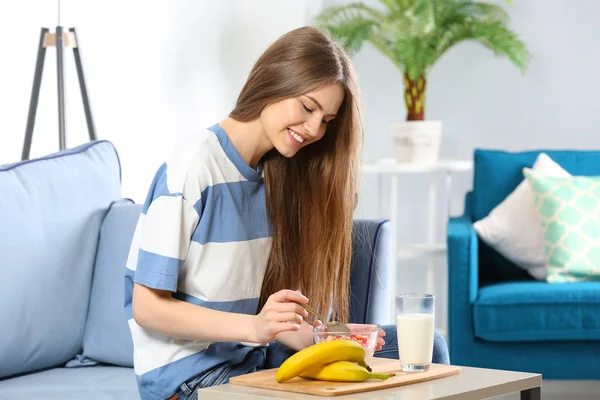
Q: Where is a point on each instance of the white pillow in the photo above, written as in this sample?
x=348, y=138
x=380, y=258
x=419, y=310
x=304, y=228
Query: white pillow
x=513, y=228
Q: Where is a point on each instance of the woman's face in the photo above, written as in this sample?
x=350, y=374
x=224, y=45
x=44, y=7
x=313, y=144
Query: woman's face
x=299, y=121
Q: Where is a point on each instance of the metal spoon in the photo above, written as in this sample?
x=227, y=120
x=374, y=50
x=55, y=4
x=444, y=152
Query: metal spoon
x=332, y=326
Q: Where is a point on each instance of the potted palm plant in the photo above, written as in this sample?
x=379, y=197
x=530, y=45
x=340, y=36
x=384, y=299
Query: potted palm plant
x=414, y=34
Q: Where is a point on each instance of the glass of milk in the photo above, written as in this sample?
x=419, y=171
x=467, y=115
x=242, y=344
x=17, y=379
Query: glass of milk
x=415, y=316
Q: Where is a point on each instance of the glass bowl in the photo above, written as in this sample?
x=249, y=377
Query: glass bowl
x=364, y=334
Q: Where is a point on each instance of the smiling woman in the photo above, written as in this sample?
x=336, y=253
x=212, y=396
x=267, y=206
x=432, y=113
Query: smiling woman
x=246, y=221
x=302, y=93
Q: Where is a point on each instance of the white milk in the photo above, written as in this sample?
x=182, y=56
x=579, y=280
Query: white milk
x=415, y=338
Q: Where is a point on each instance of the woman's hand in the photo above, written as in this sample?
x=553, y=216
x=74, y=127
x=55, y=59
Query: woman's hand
x=380, y=341
x=281, y=313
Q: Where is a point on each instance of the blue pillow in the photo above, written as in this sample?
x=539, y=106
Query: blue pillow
x=107, y=337
x=50, y=212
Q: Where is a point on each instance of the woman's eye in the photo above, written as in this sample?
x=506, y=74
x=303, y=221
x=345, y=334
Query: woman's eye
x=307, y=109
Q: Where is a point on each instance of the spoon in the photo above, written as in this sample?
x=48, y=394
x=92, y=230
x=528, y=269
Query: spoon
x=332, y=326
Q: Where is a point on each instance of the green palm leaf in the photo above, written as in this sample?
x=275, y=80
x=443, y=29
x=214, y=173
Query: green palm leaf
x=502, y=41
x=414, y=34
x=350, y=24
x=484, y=23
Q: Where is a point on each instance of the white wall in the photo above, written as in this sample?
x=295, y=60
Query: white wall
x=156, y=70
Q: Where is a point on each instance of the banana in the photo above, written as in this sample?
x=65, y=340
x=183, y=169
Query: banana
x=341, y=371
x=320, y=354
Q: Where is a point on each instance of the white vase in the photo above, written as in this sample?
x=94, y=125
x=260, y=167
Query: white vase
x=417, y=142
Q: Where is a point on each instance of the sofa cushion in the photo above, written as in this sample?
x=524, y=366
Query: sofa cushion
x=107, y=338
x=496, y=174
x=569, y=211
x=538, y=311
x=93, y=383
x=513, y=227
x=51, y=209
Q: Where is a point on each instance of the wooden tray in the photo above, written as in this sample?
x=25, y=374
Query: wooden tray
x=266, y=379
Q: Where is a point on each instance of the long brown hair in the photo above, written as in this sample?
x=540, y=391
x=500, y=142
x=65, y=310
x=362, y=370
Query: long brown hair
x=310, y=196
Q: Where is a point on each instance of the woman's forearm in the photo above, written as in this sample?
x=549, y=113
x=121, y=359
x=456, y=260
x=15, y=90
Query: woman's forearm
x=158, y=311
x=298, y=340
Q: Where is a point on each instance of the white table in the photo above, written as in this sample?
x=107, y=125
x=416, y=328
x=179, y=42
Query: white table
x=470, y=384
x=430, y=248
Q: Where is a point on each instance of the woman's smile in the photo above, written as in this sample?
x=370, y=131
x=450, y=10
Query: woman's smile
x=296, y=138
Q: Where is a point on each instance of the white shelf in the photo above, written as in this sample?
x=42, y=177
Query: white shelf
x=387, y=172
x=421, y=249
x=390, y=166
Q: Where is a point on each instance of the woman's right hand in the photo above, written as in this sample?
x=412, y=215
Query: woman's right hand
x=281, y=313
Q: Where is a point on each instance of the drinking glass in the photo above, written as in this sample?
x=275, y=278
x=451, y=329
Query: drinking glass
x=415, y=316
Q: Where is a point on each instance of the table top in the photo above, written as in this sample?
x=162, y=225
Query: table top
x=470, y=384
x=390, y=166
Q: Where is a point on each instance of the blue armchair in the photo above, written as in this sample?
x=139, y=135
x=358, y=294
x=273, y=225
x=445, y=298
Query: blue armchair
x=499, y=316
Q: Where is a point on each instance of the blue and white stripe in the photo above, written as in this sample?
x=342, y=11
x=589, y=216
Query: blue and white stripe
x=204, y=236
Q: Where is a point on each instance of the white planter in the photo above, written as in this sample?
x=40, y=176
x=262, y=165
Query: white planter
x=417, y=142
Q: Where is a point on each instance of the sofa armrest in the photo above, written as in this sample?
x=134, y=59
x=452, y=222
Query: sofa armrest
x=463, y=286
x=371, y=271
x=463, y=260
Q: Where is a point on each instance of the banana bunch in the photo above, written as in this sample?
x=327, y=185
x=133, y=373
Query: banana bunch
x=336, y=360
x=341, y=371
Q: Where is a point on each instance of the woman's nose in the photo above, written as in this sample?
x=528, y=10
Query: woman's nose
x=312, y=126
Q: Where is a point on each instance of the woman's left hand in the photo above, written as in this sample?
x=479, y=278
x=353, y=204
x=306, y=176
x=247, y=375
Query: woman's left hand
x=380, y=341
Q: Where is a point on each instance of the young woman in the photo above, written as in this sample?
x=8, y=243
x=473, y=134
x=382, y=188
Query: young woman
x=246, y=221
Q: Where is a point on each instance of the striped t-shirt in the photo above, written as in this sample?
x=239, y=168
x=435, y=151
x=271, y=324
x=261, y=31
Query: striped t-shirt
x=203, y=235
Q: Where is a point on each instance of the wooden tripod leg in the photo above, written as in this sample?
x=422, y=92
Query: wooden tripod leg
x=84, y=94
x=35, y=95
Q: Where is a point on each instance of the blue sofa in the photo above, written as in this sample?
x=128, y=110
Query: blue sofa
x=65, y=233
x=499, y=316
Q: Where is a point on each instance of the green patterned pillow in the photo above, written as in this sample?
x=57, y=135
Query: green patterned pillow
x=569, y=209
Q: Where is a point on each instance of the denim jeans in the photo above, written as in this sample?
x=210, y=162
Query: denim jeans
x=276, y=353
x=219, y=375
